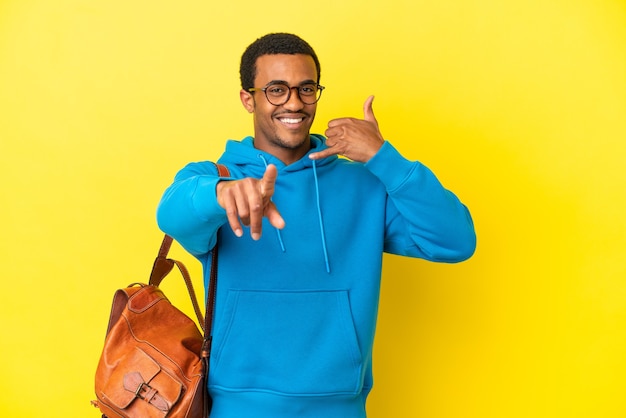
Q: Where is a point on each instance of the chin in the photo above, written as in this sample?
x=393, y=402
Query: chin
x=293, y=142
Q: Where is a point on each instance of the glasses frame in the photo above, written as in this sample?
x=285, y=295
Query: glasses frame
x=320, y=88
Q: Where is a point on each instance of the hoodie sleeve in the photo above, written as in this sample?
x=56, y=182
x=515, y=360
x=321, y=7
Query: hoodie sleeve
x=423, y=219
x=188, y=210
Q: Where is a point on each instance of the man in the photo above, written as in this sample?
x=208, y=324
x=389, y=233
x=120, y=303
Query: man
x=301, y=235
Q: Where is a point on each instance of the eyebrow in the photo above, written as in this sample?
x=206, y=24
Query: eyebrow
x=271, y=83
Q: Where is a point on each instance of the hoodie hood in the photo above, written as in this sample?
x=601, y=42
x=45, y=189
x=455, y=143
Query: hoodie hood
x=252, y=161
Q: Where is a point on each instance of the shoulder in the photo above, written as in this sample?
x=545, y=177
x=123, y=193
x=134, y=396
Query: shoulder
x=344, y=171
x=197, y=169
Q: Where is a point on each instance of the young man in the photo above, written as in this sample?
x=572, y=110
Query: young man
x=301, y=235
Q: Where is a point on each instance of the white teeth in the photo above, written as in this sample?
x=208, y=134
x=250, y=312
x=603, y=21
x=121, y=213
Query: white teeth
x=286, y=120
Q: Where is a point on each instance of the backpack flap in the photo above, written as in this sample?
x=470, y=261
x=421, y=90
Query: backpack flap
x=142, y=384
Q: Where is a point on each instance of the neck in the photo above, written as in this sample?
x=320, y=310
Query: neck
x=288, y=155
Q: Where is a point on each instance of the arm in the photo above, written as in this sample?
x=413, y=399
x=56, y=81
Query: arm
x=189, y=211
x=199, y=202
x=423, y=218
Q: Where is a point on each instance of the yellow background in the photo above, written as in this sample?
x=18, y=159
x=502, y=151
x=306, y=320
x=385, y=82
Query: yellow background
x=519, y=107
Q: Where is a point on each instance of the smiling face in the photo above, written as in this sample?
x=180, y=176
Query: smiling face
x=282, y=131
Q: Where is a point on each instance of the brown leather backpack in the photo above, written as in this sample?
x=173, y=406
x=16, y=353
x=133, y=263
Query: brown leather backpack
x=155, y=360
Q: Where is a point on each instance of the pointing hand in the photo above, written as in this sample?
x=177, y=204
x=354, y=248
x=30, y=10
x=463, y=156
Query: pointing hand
x=248, y=200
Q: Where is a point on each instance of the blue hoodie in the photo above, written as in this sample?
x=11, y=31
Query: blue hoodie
x=296, y=311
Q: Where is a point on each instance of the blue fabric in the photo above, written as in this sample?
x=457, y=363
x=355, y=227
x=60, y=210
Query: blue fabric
x=296, y=311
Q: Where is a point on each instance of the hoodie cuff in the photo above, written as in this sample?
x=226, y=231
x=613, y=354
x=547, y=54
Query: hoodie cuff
x=390, y=166
x=205, y=199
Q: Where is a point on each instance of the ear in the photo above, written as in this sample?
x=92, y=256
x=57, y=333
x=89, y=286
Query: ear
x=247, y=100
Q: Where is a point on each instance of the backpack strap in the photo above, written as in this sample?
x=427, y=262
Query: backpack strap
x=163, y=266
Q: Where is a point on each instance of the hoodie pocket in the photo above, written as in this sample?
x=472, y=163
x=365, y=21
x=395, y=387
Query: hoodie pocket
x=299, y=343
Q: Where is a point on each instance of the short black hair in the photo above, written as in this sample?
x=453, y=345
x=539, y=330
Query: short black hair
x=272, y=44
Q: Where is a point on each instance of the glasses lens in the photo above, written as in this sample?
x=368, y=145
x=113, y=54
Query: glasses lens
x=309, y=93
x=277, y=94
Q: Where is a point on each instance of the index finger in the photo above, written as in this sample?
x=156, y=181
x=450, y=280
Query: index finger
x=268, y=181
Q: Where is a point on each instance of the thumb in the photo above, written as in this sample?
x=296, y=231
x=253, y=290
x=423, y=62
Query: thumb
x=273, y=215
x=368, y=112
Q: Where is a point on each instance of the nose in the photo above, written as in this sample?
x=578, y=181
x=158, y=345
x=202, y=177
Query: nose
x=294, y=102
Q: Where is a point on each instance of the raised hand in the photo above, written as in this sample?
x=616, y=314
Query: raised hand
x=357, y=139
x=248, y=200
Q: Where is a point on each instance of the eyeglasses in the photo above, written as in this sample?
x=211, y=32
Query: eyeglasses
x=278, y=93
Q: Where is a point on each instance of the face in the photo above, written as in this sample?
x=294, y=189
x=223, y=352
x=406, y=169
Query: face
x=283, y=130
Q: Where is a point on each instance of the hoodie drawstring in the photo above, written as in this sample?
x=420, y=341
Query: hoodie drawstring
x=319, y=216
